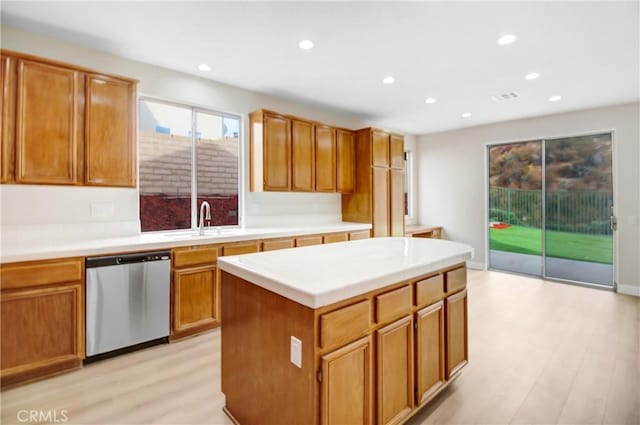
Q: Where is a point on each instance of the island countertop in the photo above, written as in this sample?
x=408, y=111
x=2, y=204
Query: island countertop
x=320, y=275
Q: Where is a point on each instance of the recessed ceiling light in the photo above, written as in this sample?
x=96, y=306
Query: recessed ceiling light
x=555, y=98
x=204, y=67
x=306, y=44
x=466, y=115
x=430, y=100
x=389, y=80
x=532, y=76
x=507, y=39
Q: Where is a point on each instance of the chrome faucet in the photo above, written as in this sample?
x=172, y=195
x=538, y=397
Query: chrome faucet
x=202, y=217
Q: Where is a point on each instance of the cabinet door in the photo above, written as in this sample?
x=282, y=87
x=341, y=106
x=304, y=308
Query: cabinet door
x=345, y=161
x=42, y=331
x=347, y=384
x=277, y=153
x=194, y=301
x=429, y=351
x=380, y=148
x=457, y=338
x=394, y=352
x=7, y=119
x=47, y=146
x=396, y=202
x=325, y=159
x=303, y=163
x=109, y=132
x=396, y=151
x=380, y=201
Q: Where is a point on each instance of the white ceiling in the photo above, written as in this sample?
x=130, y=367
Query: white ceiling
x=586, y=52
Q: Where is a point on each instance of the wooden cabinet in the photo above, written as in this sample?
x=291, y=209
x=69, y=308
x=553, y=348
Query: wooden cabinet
x=47, y=127
x=325, y=158
x=303, y=156
x=378, y=197
x=65, y=125
x=335, y=237
x=347, y=383
x=195, y=292
x=345, y=161
x=308, y=241
x=457, y=333
x=430, y=349
x=270, y=151
x=419, y=231
x=110, y=149
x=394, y=353
x=42, y=309
x=272, y=245
x=362, y=234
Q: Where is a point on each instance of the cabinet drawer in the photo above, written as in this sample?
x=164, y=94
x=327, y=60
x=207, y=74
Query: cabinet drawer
x=194, y=256
x=456, y=279
x=247, y=248
x=429, y=290
x=393, y=305
x=336, y=237
x=345, y=324
x=277, y=244
x=21, y=275
x=309, y=240
x=364, y=234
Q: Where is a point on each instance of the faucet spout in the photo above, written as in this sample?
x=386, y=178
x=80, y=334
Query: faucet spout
x=204, y=206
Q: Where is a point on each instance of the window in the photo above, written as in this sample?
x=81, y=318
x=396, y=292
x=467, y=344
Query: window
x=187, y=155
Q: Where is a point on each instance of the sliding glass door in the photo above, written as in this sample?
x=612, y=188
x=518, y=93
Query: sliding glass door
x=551, y=208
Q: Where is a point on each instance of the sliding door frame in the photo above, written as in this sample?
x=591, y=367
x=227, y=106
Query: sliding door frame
x=543, y=140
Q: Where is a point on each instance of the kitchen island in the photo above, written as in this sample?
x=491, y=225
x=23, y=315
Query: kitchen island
x=355, y=332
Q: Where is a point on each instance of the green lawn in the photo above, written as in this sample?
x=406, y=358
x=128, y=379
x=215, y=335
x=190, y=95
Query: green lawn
x=574, y=246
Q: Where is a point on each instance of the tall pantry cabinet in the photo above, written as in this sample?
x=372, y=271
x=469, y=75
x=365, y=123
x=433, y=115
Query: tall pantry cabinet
x=379, y=190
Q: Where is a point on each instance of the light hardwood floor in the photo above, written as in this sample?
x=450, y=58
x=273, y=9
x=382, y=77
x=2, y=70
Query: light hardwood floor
x=540, y=353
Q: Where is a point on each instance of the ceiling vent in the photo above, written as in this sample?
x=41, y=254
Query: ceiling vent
x=505, y=96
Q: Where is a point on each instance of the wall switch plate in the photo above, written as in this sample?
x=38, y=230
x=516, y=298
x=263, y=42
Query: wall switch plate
x=296, y=351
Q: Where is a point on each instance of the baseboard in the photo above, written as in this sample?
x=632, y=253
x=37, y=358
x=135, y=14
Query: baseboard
x=629, y=290
x=475, y=265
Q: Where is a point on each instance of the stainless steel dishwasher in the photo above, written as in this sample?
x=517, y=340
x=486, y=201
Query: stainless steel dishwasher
x=127, y=300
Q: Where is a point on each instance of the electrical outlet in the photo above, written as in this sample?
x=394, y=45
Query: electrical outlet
x=296, y=351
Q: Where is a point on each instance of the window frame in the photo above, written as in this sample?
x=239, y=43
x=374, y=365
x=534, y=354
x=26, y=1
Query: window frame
x=194, y=108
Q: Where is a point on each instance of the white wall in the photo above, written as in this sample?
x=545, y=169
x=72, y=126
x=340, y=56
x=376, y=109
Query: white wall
x=452, y=175
x=73, y=205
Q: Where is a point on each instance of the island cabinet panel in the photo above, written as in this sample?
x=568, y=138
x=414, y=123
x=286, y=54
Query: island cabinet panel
x=7, y=118
x=194, y=300
x=110, y=148
x=430, y=376
x=347, y=384
x=42, y=320
x=457, y=333
x=456, y=279
x=345, y=161
x=429, y=290
x=345, y=324
x=303, y=156
x=393, y=304
x=394, y=353
x=47, y=127
x=325, y=158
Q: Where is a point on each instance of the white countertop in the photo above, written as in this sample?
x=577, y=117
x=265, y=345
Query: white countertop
x=319, y=275
x=158, y=241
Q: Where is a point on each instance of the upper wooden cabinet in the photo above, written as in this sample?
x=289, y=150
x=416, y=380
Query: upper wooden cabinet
x=109, y=137
x=325, y=159
x=288, y=153
x=65, y=125
x=270, y=146
x=345, y=161
x=303, y=162
x=378, y=197
x=47, y=117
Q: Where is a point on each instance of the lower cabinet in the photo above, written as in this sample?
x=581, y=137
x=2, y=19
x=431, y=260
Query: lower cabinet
x=347, y=384
x=430, y=375
x=42, y=305
x=457, y=333
x=394, y=353
x=194, y=300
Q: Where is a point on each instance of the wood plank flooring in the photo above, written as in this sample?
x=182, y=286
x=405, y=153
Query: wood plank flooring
x=540, y=353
